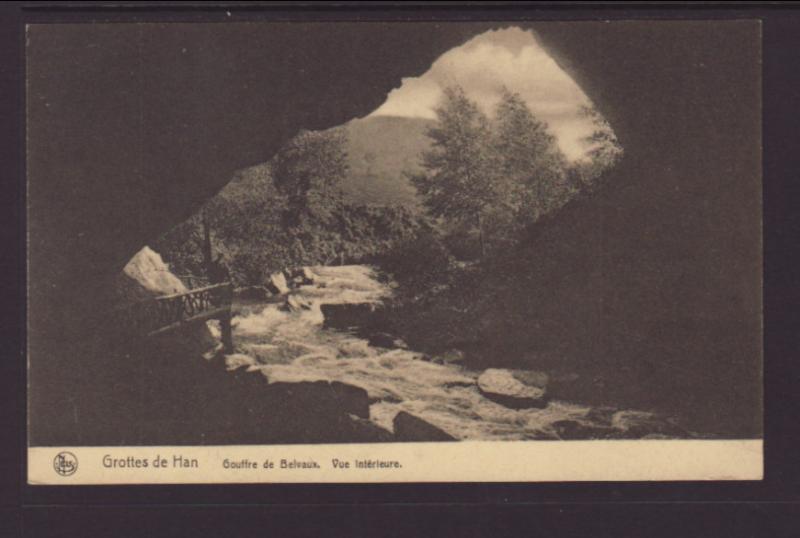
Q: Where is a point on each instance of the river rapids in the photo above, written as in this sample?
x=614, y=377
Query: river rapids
x=293, y=346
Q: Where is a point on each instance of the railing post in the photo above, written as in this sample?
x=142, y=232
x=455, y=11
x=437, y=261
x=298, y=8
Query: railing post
x=226, y=332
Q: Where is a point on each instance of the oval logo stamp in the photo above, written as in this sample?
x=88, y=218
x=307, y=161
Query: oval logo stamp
x=65, y=463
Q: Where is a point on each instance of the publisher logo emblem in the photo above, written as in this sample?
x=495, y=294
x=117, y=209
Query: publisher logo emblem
x=65, y=463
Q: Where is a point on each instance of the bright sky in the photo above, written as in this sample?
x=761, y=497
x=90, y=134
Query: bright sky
x=510, y=57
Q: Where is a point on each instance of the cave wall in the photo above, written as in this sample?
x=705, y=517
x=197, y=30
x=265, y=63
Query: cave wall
x=658, y=274
x=680, y=219
x=131, y=127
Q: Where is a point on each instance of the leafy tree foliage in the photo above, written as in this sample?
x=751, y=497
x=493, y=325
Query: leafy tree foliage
x=532, y=166
x=493, y=176
x=604, y=152
x=287, y=213
x=482, y=178
x=460, y=179
x=309, y=170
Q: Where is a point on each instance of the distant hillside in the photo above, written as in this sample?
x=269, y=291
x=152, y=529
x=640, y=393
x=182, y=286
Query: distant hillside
x=380, y=150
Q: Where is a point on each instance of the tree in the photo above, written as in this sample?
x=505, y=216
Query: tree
x=531, y=164
x=459, y=175
x=309, y=170
x=603, y=151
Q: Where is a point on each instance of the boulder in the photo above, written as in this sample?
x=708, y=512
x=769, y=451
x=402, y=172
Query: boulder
x=325, y=397
x=288, y=275
x=301, y=276
x=276, y=283
x=308, y=275
x=349, y=316
x=235, y=361
x=148, y=270
x=513, y=388
x=366, y=431
x=450, y=356
x=574, y=430
x=409, y=428
x=294, y=303
x=533, y=378
x=608, y=423
x=386, y=340
x=641, y=424
x=603, y=415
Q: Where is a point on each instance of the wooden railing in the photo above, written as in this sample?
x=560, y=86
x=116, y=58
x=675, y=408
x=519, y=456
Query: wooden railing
x=169, y=312
x=194, y=281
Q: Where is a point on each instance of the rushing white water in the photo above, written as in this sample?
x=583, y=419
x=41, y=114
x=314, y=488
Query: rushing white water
x=291, y=346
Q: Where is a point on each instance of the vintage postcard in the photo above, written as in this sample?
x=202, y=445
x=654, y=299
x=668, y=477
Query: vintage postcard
x=394, y=252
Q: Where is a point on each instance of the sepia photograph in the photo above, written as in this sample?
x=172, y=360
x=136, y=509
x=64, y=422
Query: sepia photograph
x=376, y=251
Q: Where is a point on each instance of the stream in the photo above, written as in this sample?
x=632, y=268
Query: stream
x=293, y=345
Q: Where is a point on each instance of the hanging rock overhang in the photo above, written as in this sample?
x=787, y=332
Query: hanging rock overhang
x=132, y=127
